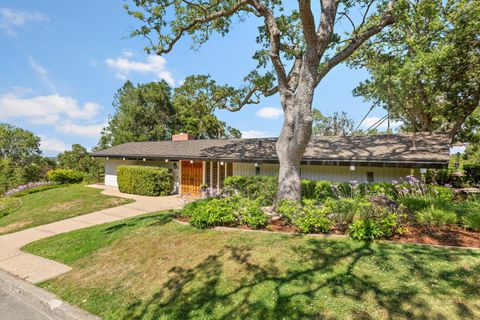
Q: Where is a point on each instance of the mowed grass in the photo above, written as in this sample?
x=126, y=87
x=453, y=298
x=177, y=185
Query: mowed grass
x=150, y=267
x=56, y=204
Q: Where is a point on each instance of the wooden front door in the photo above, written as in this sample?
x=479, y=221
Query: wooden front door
x=192, y=178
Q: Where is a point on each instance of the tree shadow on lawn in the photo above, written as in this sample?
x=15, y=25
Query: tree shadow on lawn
x=155, y=219
x=326, y=271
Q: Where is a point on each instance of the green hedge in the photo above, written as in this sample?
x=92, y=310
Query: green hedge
x=145, y=181
x=65, y=176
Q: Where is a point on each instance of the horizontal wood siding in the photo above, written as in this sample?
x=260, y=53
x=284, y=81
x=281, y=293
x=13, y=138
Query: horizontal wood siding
x=330, y=173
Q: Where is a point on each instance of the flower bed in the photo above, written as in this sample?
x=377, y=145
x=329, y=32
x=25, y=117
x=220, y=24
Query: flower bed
x=405, y=209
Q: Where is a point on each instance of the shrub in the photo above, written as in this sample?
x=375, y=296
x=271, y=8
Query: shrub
x=472, y=171
x=252, y=215
x=308, y=189
x=261, y=188
x=371, y=229
x=307, y=217
x=366, y=230
x=323, y=190
x=472, y=220
x=436, y=216
x=215, y=212
x=65, y=176
x=190, y=208
x=342, y=211
x=143, y=180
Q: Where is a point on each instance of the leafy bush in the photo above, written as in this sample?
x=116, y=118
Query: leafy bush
x=143, y=180
x=342, y=211
x=323, y=190
x=260, y=188
x=436, y=216
x=471, y=220
x=214, y=212
x=65, y=176
x=190, y=208
x=252, y=215
x=307, y=217
x=308, y=189
x=472, y=171
x=371, y=229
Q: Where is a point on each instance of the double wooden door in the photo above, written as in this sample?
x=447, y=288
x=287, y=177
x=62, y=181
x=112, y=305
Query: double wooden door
x=191, y=178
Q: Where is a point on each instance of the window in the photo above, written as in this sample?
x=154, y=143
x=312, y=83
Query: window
x=257, y=171
x=370, y=176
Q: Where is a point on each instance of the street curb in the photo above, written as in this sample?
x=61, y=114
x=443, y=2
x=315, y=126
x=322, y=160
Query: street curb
x=42, y=300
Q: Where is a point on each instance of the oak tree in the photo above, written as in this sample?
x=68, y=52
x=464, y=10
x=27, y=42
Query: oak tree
x=297, y=49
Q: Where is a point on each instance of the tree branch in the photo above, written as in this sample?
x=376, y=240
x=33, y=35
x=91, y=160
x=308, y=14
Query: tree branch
x=357, y=41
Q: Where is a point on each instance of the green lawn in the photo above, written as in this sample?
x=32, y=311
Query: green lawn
x=56, y=204
x=152, y=268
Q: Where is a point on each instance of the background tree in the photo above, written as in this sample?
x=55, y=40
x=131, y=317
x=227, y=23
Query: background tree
x=424, y=69
x=195, y=102
x=337, y=125
x=297, y=48
x=78, y=158
x=20, y=157
x=142, y=113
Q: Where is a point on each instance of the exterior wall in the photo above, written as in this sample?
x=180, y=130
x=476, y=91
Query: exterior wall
x=330, y=173
x=111, y=170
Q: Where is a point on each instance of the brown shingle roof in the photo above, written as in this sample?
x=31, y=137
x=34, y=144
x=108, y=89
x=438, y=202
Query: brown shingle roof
x=430, y=149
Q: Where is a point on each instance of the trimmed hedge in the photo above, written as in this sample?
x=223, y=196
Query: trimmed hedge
x=145, y=181
x=65, y=176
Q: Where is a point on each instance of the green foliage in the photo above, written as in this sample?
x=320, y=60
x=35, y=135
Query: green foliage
x=436, y=216
x=343, y=211
x=260, y=188
x=471, y=220
x=144, y=180
x=472, y=170
x=65, y=176
x=323, y=190
x=215, y=212
x=337, y=125
x=20, y=146
x=369, y=229
x=252, y=215
x=194, y=103
x=38, y=189
x=308, y=189
x=79, y=159
x=307, y=217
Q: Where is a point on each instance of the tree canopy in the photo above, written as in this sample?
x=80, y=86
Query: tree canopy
x=297, y=47
x=424, y=69
x=18, y=145
x=339, y=124
x=148, y=112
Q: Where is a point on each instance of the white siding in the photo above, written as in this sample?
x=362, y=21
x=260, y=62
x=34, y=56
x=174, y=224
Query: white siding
x=330, y=173
x=111, y=170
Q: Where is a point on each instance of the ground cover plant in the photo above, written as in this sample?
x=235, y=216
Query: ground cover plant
x=53, y=205
x=364, y=211
x=150, y=267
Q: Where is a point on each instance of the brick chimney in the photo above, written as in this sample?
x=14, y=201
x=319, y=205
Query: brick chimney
x=182, y=137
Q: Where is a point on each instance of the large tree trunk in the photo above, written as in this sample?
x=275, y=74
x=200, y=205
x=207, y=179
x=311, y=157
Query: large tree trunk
x=292, y=142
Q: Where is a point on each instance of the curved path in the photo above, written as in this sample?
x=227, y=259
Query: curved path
x=36, y=269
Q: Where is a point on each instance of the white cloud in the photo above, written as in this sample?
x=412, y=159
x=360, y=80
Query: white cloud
x=128, y=53
x=12, y=19
x=373, y=121
x=255, y=134
x=52, y=145
x=269, y=113
x=42, y=73
x=89, y=130
x=45, y=109
x=155, y=65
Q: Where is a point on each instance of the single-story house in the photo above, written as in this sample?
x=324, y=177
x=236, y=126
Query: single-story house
x=372, y=158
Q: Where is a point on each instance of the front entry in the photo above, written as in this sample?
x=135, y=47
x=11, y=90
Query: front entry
x=191, y=181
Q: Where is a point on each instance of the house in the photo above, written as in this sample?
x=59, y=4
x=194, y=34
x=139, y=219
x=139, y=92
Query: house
x=373, y=158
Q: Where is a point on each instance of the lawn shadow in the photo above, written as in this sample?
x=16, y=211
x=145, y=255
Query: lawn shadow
x=149, y=220
x=268, y=291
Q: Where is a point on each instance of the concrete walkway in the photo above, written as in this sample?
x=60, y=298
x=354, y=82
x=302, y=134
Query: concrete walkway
x=36, y=269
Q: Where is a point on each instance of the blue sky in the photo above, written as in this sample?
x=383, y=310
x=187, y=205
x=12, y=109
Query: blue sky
x=62, y=62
